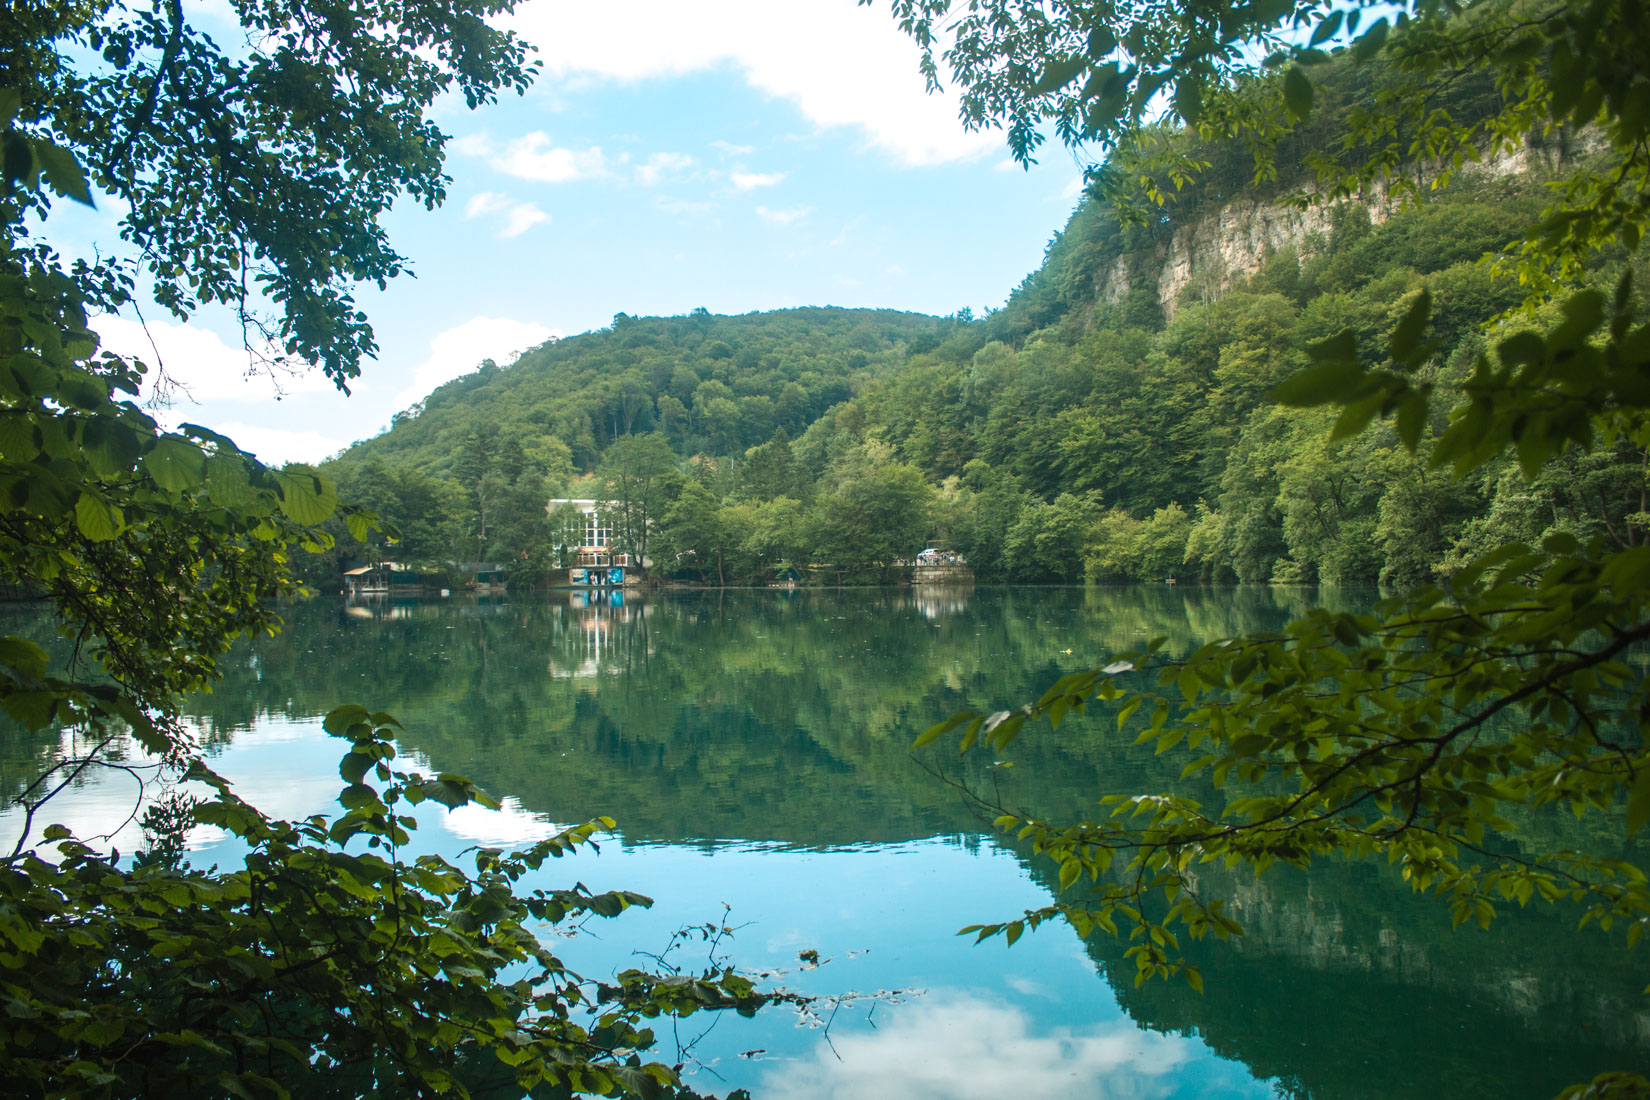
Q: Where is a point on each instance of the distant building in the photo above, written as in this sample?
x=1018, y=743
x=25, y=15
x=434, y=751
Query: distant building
x=481, y=576
x=384, y=577
x=592, y=545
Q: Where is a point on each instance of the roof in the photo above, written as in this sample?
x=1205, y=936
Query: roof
x=391, y=566
x=480, y=567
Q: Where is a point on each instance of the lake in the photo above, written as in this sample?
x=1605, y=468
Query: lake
x=754, y=747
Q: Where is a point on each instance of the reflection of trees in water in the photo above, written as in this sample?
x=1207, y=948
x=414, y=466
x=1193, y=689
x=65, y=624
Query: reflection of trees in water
x=706, y=713
x=787, y=716
x=1349, y=987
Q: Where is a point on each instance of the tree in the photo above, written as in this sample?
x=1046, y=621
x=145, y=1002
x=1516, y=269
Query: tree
x=875, y=515
x=330, y=962
x=1436, y=733
x=1445, y=82
x=639, y=479
x=694, y=533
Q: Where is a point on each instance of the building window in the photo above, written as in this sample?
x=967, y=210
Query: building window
x=596, y=531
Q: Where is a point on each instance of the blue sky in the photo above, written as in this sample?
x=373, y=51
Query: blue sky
x=733, y=154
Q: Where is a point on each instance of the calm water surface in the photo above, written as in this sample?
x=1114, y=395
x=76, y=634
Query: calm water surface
x=754, y=748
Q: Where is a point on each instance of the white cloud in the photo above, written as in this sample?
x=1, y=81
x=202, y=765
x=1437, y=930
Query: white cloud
x=518, y=217
x=662, y=166
x=473, y=145
x=841, y=64
x=535, y=157
x=728, y=149
x=460, y=350
x=522, y=217
x=750, y=181
x=783, y=217
x=958, y=1047
x=200, y=366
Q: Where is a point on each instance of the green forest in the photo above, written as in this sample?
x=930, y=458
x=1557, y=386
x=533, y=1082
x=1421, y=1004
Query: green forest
x=1090, y=430
x=1355, y=295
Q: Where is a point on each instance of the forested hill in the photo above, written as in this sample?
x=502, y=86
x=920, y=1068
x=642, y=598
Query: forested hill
x=1111, y=422
x=712, y=385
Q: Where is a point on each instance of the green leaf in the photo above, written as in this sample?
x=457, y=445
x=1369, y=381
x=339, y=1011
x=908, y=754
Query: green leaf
x=62, y=171
x=1322, y=385
x=1411, y=419
x=1328, y=28
x=1297, y=92
x=359, y=524
x=1188, y=99
x=450, y=790
x=1339, y=348
x=358, y=796
x=228, y=482
x=1407, y=336
x=354, y=766
x=23, y=656
x=96, y=518
x=1059, y=73
x=1370, y=42
x=1638, y=803
x=340, y=720
x=1521, y=349
x=306, y=496
x=934, y=733
x=176, y=464
x=111, y=446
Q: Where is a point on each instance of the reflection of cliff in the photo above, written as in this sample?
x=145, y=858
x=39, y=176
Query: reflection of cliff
x=1347, y=986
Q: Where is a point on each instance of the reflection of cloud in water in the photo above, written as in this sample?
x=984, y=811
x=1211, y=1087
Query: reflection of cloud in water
x=508, y=825
x=958, y=1047
x=1028, y=988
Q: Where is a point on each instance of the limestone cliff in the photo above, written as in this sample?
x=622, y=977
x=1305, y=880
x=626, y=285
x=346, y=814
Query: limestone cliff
x=1217, y=247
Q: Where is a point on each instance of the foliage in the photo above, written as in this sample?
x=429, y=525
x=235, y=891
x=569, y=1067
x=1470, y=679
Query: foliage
x=1437, y=83
x=709, y=384
x=1433, y=734
x=251, y=177
x=317, y=970
x=1112, y=403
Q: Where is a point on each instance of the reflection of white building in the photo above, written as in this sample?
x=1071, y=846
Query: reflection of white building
x=594, y=545
x=586, y=633
x=938, y=601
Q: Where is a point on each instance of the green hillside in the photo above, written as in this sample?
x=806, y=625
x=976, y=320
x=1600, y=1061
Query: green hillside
x=711, y=384
x=1111, y=422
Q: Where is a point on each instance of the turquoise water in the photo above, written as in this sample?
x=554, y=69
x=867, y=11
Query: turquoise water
x=754, y=748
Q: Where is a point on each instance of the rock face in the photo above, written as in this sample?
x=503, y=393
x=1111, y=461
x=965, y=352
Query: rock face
x=1217, y=248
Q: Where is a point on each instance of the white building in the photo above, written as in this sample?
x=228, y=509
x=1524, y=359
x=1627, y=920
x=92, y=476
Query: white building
x=594, y=539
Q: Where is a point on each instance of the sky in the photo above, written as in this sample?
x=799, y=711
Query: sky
x=738, y=155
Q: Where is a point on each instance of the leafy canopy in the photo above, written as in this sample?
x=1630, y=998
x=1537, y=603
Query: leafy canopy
x=1445, y=82
x=330, y=964
x=1436, y=733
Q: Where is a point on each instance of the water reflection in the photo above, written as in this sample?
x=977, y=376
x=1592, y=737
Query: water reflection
x=952, y=1045
x=754, y=746
x=938, y=600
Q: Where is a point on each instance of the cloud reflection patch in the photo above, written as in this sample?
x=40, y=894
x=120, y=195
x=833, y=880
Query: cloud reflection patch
x=956, y=1046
